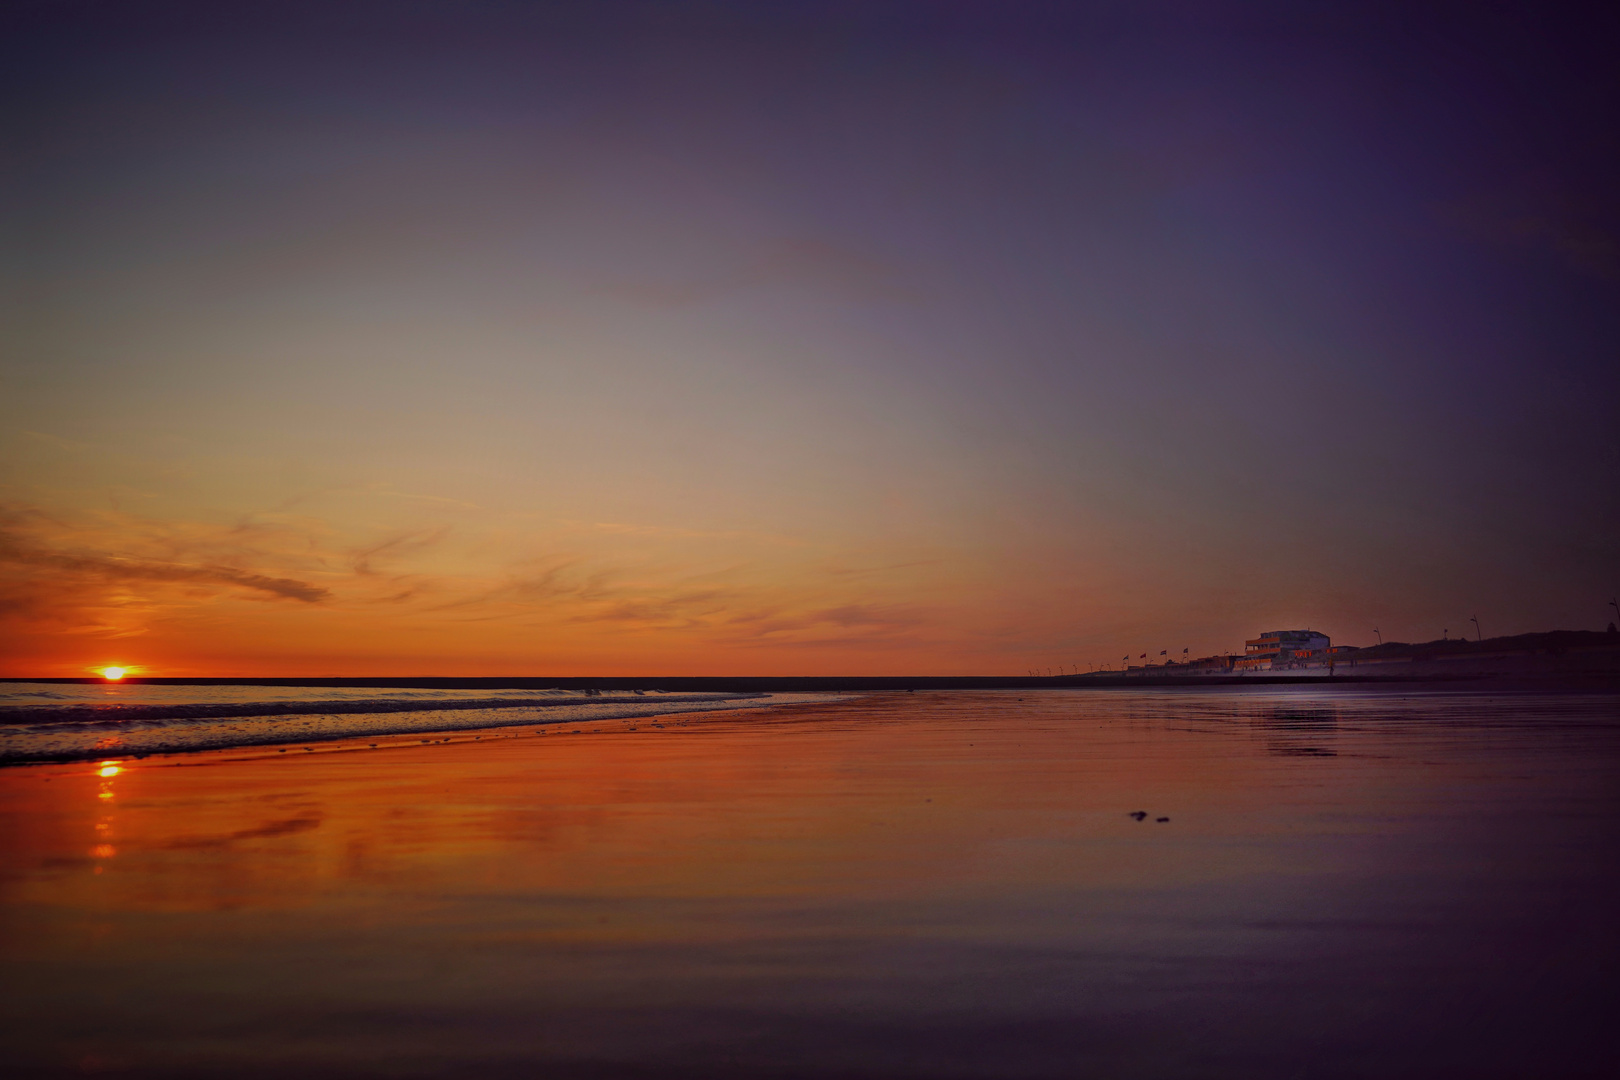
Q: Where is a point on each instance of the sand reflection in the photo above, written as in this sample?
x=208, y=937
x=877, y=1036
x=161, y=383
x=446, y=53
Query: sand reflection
x=633, y=893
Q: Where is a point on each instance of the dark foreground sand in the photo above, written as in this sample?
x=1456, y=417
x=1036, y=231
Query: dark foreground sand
x=910, y=885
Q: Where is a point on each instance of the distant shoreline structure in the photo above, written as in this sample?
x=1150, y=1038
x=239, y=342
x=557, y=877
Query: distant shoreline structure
x=1309, y=654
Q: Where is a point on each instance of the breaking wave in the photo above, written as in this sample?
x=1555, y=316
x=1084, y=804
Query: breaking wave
x=41, y=723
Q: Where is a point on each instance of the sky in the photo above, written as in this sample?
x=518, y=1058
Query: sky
x=433, y=338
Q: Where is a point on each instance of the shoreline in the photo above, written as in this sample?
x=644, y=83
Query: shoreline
x=65, y=743
x=414, y=725
x=1440, y=672
x=780, y=884
x=463, y=738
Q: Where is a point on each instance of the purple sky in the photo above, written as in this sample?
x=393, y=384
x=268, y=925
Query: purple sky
x=800, y=338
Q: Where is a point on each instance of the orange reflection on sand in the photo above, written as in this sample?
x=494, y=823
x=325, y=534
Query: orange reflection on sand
x=899, y=796
x=947, y=854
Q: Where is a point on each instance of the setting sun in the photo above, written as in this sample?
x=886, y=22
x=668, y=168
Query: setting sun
x=113, y=673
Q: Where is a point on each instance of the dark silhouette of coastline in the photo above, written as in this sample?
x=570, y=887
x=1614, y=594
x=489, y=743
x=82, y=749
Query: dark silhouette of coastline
x=1556, y=655
x=1575, y=659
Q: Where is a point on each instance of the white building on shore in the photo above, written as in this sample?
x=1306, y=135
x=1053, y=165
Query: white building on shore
x=1282, y=648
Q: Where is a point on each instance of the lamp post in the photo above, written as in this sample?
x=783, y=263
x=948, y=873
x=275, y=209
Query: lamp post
x=1380, y=636
x=1478, y=636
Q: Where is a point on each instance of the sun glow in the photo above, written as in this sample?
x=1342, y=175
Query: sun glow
x=113, y=673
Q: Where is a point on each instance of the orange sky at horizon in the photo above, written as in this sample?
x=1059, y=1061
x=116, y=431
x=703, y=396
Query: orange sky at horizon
x=300, y=595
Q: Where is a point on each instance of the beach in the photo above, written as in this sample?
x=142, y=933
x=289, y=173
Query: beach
x=1143, y=883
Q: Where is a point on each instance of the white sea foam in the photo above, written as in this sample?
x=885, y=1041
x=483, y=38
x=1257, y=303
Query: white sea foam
x=25, y=694
x=62, y=722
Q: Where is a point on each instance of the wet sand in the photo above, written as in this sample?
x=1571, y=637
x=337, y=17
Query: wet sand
x=903, y=885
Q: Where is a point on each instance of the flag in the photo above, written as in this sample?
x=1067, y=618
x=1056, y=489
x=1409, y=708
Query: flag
x=1163, y=652
x=1144, y=656
x=1183, y=652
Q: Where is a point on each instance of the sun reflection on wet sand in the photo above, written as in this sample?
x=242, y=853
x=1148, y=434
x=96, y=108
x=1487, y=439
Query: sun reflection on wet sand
x=892, y=884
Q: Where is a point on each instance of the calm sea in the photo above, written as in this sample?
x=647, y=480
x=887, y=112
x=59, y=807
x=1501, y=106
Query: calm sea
x=1249, y=884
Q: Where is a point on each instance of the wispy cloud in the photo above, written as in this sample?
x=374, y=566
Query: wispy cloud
x=114, y=568
x=843, y=624
x=114, y=578
x=401, y=545
x=19, y=549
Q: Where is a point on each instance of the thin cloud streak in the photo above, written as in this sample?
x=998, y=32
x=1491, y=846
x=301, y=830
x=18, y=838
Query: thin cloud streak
x=116, y=568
